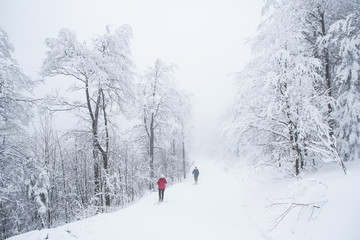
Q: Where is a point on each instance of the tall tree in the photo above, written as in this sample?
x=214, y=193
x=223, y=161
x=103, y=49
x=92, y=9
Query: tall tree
x=320, y=15
x=154, y=96
x=15, y=161
x=163, y=119
x=103, y=72
x=344, y=37
x=284, y=107
x=182, y=127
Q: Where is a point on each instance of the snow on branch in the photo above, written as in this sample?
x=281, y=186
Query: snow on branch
x=304, y=203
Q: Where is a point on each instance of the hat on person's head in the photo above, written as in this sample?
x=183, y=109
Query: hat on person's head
x=162, y=176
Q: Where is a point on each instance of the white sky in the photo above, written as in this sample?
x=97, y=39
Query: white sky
x=204, y=38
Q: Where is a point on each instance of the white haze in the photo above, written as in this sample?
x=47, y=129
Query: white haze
x=204, y=39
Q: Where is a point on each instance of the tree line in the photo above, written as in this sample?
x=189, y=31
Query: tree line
x=127, y=128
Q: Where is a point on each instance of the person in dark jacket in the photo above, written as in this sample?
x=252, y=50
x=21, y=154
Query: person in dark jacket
x=196, y=173
x=161, y=184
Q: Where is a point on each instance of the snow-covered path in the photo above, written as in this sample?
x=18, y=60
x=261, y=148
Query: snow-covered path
x=212, y=209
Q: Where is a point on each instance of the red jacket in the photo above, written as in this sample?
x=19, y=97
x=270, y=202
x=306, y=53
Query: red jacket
x=161, y=183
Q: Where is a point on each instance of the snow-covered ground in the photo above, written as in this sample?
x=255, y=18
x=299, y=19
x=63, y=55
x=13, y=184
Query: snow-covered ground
x=321, y=206
x=230, y=203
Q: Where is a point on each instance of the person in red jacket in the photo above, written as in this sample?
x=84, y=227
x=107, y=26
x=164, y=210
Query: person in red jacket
x=161, y=183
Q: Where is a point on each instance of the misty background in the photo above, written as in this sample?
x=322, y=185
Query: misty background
x=205, y=40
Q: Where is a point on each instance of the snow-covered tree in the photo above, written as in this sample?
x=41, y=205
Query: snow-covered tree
x=279, y=108
x=15, y=161
x=163, y=120
x=15, y=111
x=103, y=71
x=183, y=116
x=344, y=37
x=332, y=30
x=320, y=15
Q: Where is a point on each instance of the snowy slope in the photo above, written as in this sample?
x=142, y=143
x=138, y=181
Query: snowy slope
x=209, y=210
x=232, y=203
x=336, y=198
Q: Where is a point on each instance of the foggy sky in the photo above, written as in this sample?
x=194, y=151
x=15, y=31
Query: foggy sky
x=205, y=39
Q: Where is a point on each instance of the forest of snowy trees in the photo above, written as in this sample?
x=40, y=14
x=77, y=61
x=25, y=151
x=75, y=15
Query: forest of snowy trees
x=126, y=129
x=297, y=103
x=297, y=108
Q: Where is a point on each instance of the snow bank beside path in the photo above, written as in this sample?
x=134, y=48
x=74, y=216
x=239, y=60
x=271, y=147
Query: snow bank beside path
x=323, y=205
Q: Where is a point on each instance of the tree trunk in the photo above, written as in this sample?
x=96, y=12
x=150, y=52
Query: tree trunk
x=293, y=138
x=173, y=150
x=97, y=183
x=327, y=65
x=152, y=134
x=132, y=179
x=94, y=124
x=184, y=159
x=104, y=154
x=97, y=147
x=64, y=184
x=126, y=174
x=151, y=163
x=297, y=160
x=299, y=157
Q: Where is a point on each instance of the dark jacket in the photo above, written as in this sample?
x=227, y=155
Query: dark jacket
x=196, y=172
